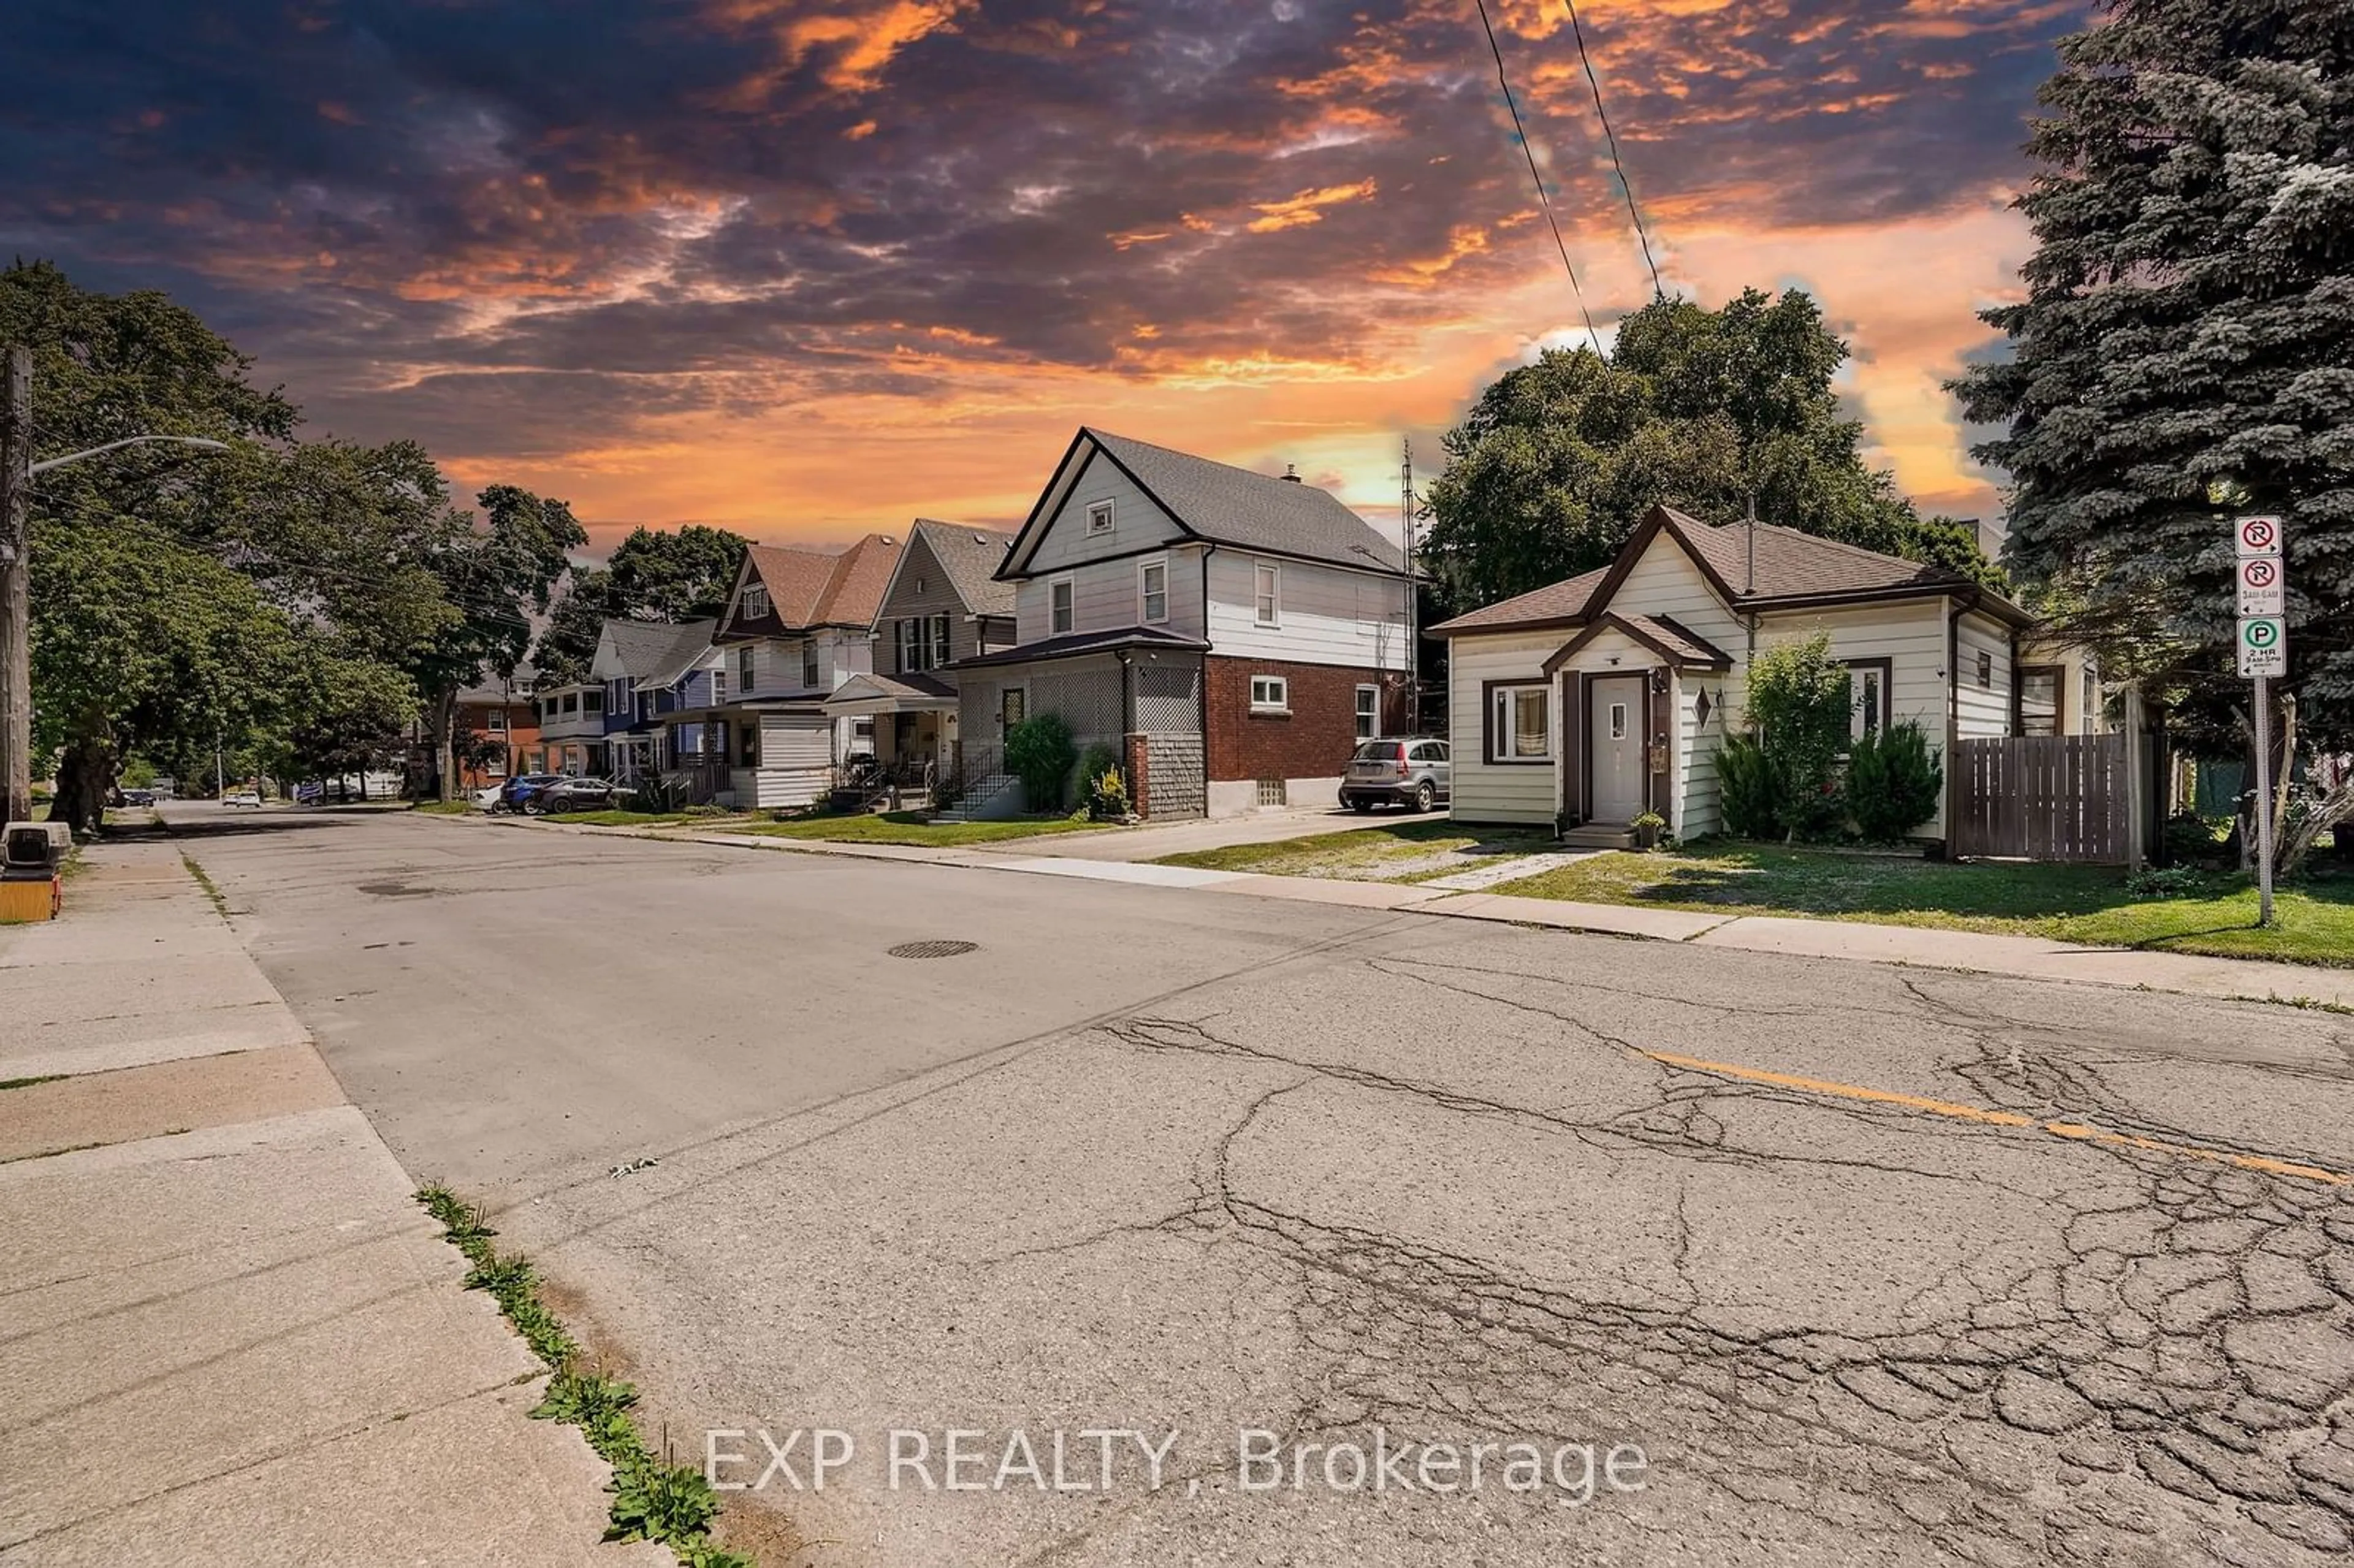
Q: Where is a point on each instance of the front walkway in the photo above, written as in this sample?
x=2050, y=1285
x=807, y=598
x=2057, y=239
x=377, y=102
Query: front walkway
x=231, y=1336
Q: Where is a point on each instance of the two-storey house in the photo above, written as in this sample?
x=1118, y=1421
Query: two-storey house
x=944, y=604
x=798, y=624
x=1230, y=634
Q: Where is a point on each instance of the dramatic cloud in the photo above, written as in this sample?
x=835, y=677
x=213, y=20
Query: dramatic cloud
x=809, y=266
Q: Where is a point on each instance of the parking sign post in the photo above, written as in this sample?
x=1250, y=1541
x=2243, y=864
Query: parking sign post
x=2262, y=571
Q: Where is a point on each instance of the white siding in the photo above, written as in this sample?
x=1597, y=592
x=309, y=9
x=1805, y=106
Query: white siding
x=778, y=667
x=1137, y=523
x=1985, y=710
x=1104, y=598
x=1326, y=615
x=1516, y=792
x=1665, y=582
x=1909, y=633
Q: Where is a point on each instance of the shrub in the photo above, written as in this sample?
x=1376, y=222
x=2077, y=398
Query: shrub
x=1039, y=752
x=1108, y=796
x=1894, y=782
x=2188, y=838
x=2169, y=882
x=1745, y=795
x=1800, y=704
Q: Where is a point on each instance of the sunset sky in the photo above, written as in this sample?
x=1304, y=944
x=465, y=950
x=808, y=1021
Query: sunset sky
x=810, y=267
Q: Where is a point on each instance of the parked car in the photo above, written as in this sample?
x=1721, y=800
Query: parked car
x=139, y=797
x=1409, y=772
x=487, y=796
x=576, y=795
x=241, y=798
x=515, y=794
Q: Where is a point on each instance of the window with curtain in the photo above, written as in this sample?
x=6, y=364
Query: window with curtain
x=1521, y=725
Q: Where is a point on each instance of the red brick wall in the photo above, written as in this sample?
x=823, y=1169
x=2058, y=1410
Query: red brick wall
x=1313, y=741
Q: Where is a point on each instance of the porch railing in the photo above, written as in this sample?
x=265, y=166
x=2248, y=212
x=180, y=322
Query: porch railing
x=971, y=766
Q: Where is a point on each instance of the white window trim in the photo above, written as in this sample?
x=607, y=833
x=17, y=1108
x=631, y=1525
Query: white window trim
x=1069, y=582
x=1280, y=704
x=1359, y=711
x=756, y=601
x=938, y=637
x=747, y=669
x=813, y=671
x=1103, y=509
x=1499, y=724
x=1274, y=616
x=1143, y=615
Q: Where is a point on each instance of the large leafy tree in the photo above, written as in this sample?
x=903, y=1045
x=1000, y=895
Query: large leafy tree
x=498, y=577
x=1704, y=410
x=664, y=575
x=2186, y=348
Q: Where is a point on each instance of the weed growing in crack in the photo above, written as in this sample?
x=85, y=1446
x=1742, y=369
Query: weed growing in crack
x=653, y=1499
x=212, y=891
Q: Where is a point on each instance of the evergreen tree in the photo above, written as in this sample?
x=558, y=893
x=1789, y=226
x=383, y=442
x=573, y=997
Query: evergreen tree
x=2186, y=349
x=1557, y=462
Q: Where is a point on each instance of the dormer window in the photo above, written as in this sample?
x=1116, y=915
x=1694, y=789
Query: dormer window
x=1099, y=518
x=756, y=601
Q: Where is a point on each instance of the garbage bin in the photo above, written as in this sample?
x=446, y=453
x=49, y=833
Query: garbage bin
x=32, y=857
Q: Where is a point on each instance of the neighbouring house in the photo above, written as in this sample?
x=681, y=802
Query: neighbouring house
x=798, y=624
x=572, y=729
x=1591, y=701
x=943, y=604
x=501, y=714
x=1230, y=634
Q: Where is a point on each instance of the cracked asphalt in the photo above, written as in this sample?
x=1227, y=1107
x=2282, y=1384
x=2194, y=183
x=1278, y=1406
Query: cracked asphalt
x=1874, y=1266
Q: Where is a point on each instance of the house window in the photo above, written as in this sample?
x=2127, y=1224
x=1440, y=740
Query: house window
x=1985, y=670
x=809, y=665
x=756, y=601
x=1152, y=591
x=940, y=641
x=719, y=685
x=1061, y=612
x=1520, y=723
x=1266, y=593
x=1012, y=703
x=1099, y=518
x=592, y=701
x=496, y=721
x=2091, y=700
x=919, y=584
x=910, y=635
x=1270, y=694
x=571, y=704
x=748, y=744
x=1618, y=721
x=744, y=668
x=1868, y=696
x=1271, y=793
x=1369, y=712
x=2039, y=700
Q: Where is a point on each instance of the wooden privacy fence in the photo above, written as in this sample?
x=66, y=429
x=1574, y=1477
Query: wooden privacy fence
x=2062, y=798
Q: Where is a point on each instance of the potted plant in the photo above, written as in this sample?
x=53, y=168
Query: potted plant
x=1646, y=830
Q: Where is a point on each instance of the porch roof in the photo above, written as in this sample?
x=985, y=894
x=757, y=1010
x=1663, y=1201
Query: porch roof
x=865, y=696
x=1680, y=647
x=1072, y=645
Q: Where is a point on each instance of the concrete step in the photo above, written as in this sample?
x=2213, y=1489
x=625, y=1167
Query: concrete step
x=1599, y=836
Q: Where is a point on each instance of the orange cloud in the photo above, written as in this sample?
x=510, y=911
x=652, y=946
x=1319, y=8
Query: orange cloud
x=1293, y=211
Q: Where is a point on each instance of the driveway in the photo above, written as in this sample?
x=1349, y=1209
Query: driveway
x=1846, y=1264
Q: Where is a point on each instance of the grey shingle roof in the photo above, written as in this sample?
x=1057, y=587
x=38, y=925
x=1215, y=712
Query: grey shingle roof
x=1229, y=506
x=688, y=642
x=970, y=557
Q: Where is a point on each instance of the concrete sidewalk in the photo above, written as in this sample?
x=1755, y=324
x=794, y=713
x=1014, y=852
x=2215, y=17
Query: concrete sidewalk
x=231, y=1337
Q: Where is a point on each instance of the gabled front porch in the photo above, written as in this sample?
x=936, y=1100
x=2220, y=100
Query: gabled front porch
x=1641, y=702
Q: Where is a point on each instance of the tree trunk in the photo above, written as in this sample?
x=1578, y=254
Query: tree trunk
x=85, y=781
x=445, y=746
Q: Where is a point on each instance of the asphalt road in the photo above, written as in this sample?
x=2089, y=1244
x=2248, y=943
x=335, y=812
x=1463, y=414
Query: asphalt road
x=1871, y=1266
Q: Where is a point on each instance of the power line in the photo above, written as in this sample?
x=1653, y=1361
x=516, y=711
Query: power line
x=1543, y=199
x=1609, y=136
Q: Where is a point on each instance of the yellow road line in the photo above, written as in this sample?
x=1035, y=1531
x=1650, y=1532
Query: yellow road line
x=2077, y=1131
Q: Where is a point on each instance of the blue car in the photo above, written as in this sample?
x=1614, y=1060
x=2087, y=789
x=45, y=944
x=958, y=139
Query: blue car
x=516, y=793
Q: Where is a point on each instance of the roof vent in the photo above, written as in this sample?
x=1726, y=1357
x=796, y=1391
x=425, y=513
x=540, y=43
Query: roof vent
x=1291, y=471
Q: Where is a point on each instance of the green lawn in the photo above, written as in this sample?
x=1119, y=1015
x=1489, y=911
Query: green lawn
x=2066, y=903
x=911, y=828
x=1416, y=849
x=446, y=808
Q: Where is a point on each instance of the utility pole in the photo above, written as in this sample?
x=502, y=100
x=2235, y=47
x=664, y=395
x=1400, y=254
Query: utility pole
x=1413, y=593
x=16, y=585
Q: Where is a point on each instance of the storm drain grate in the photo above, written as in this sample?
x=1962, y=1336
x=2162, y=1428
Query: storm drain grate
x=932, y=949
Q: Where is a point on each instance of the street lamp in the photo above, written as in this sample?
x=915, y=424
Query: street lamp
x=16, y=471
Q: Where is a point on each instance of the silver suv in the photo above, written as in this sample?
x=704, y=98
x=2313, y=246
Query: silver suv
x=1410, y=772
